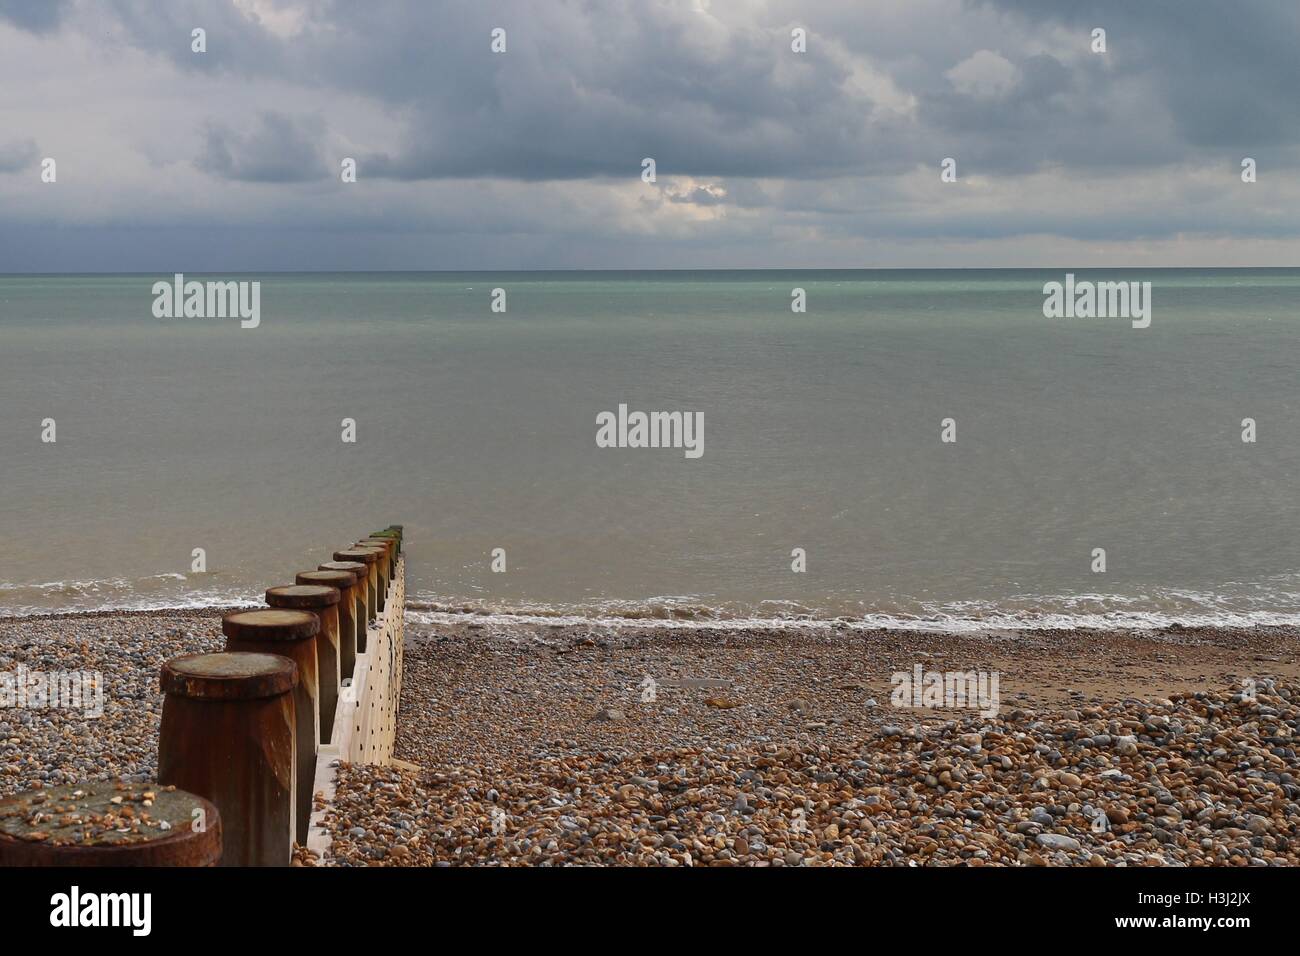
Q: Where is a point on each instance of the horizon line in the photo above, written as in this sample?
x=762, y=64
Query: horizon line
x=1086, y=268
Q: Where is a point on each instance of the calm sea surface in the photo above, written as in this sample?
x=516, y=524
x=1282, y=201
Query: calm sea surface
x=476, y=430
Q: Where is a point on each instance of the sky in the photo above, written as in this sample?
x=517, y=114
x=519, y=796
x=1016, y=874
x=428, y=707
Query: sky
x=168, y=159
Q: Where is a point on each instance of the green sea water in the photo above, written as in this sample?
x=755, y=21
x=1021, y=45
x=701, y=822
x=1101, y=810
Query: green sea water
x=822, y=431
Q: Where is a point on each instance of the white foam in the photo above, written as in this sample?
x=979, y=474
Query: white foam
x=968, y=617
x=1265, y=604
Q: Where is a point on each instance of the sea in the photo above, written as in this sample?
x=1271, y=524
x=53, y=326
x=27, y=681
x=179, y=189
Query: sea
x=920, y=449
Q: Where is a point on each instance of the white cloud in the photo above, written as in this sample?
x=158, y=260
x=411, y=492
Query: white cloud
x=984, y=74
x=283, y=19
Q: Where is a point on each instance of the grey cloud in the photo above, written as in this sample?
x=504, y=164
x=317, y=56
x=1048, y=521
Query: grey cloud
x=235, y=43
x=1227, y=74
x=1047, y=118
x=576, y=97
x=462, y=150
x=587, y=89
x=17, y=156
x=35, y=16
x=279, y=149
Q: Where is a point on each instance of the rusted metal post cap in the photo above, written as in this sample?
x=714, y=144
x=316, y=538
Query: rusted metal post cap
x=273, y=624
x=230, y=675
x=109, y=823
x=307, y=597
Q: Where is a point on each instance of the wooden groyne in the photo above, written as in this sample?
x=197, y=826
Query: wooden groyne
x=251, y=737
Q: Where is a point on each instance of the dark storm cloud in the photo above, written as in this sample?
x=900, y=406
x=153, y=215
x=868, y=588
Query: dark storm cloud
x=1227, y=74
x=278, y=149
x=588, y=89
x=760, y=151
x=585, y=89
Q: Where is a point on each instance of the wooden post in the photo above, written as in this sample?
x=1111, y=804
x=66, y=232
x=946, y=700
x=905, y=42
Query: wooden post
x=370, y=558
x=109, y=823
x=346, y=582
x=323, y=601
x=382, y=565
x=363, y=616
x=291, y=634
x=229, y=735
x=390, y=551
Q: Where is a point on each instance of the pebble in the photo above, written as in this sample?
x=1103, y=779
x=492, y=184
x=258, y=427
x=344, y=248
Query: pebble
x=504, y=764
x=1055, y=841
x=50, y=746
x=887, y=799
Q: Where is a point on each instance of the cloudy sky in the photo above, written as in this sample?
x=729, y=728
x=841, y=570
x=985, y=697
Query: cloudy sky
x=230, y=159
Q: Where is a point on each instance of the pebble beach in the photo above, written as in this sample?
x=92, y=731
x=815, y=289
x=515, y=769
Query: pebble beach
x=536, y=744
